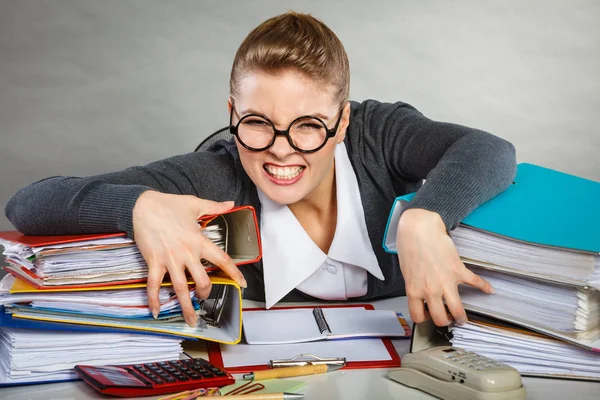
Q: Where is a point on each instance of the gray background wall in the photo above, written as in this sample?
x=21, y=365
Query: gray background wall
x=92, y=86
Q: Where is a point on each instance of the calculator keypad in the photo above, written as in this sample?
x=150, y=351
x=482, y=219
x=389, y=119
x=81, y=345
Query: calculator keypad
x=176, y=371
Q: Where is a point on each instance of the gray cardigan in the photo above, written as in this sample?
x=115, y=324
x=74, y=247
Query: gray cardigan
x=392, y=148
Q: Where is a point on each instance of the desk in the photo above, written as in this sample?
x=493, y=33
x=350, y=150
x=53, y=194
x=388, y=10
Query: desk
x=371, y=384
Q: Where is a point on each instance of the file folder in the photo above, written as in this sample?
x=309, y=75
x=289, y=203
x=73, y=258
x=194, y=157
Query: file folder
x=230, y=331
x=542, y=206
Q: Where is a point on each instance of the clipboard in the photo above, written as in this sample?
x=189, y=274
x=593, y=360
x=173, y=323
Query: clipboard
x=215, y=355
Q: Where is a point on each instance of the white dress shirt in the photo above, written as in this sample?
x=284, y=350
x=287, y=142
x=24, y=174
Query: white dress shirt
x=292, y=260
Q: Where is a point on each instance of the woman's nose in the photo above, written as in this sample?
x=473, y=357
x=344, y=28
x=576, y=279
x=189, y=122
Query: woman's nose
x=281, y=147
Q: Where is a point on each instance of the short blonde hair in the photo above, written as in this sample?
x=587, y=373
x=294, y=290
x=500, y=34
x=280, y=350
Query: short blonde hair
x=298, y=42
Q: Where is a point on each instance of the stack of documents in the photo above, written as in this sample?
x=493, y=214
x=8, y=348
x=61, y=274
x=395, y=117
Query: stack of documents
x=528, y=352
x=569, y=311
x=104, y=259
x=111, y=303
x=82, y=299
x=552, y=264
x=35, y=356
x=538, y=243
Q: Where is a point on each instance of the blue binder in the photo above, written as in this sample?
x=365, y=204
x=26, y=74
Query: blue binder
x=542, y=206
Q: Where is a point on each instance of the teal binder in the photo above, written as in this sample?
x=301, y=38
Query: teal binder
x=542, y=206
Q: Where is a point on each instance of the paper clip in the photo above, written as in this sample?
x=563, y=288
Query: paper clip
x=246, y=388
x=187, y=395
x=307, y=359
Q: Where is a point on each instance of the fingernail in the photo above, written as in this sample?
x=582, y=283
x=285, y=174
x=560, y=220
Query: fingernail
x=492, y=290
x=154, y=314
x=191, y=321
x=243, y=283
x=461, y=321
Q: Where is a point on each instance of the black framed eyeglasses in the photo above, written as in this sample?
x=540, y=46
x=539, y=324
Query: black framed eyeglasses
x=305, y=134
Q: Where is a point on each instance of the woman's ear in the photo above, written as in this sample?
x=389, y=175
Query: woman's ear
x=229, y=105
x=344, y=122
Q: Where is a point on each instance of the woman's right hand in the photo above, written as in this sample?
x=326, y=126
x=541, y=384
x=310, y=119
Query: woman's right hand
x=166, y=231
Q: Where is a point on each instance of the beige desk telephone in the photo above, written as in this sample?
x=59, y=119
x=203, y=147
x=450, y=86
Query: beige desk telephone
x=454, y=374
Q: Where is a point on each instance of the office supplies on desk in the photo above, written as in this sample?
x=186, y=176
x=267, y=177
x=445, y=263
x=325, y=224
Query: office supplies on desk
x=545, y=225
x=355, y=353
x=307, y=359
x=264, y=386
x=108, y=259
x=31, y=356
x=289, y=372
x=265, y=396
x=454, y=374
x=531, y=353
x=301, y=324
x=228, y=331
x=359, y=354
x=153, y=378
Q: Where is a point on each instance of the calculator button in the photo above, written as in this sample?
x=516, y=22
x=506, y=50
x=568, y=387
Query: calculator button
x=138, y=367
x=194, y=375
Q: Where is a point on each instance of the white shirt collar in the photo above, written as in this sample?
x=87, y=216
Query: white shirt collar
x=289, y=254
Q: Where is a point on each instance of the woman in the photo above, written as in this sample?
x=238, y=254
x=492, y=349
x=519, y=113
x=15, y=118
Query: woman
x=322, y=173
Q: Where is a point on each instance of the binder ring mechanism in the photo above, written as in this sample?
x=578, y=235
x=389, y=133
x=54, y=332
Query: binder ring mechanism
x=307, y=359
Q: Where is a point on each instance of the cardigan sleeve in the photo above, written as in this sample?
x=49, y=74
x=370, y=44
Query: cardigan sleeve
x=462, y=167
x=104, y=203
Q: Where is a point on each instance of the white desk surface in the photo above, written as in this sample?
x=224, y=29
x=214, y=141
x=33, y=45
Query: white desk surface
x=371, y=384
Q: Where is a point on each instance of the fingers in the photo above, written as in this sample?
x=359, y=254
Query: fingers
x=180, y=285
x=416, y=308
x=215, y=255
x=476, y=281
x=437, y=310
x=156, y=274
x=212, y=207
x=455, y=307
x=203, y=283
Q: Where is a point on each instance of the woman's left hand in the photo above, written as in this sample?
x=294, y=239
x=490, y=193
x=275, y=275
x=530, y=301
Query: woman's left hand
x=432, y=269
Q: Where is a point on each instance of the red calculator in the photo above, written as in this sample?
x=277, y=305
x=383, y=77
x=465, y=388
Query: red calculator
x=153, y=378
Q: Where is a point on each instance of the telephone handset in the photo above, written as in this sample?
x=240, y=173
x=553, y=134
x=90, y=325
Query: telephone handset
x=454, y=374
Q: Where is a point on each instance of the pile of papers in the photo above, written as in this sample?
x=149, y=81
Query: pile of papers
x=528, y=352
x=46, y=356
x=86, y=284
x=94, y=262
x=520, y=258
x=563, y=309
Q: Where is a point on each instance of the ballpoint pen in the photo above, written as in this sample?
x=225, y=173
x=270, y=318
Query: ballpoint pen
x=264, y=396
x=287, y=372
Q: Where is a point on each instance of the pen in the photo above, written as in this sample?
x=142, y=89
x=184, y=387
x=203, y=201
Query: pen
x=264, y=396
x=287, y=372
